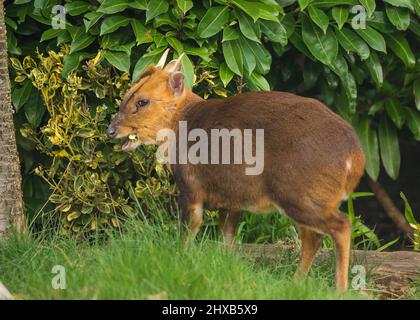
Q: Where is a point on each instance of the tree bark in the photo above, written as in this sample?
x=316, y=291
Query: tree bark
x=11, y=208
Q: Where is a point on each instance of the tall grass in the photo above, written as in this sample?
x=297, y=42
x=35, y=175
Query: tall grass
x=146, y=261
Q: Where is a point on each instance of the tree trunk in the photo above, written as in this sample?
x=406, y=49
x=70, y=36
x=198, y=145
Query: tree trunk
x=11, y=212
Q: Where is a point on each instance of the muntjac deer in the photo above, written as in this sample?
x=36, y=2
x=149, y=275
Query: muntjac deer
x=312, y=158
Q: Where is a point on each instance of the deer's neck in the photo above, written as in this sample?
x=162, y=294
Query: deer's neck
x=190, y=100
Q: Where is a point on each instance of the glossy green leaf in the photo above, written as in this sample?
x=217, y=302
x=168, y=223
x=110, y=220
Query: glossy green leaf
x=274, y=31
x=124, y=47
x=72, y=61
x=399, y=17
x=184, y=5
x=230, y=33
x=400, y=46
x=113, y=6
x=175, y=43
x=333, y=3
x=81, y=40
x=395, y=111
x=249, y=7
x=289, y=23
x=213, y=21
x=21, y=1
x=380, y=22
x=413, y=121
x=369, y=141
x=188, y=71
x=35, y=110
x=303, y=4
x=233, y=56
x=408, y=212
x=202, y=52
x=138, y=4
x=113, y=23
x=348, y=83
x=10, y=23
x=165, y=19
x=373, y=38
x=155, y=8
x=111, y=40
x=323, y=47
x=21, y=95
x=119, y=59
x=389, y=146
x=351, y=42
x=262, y=56
x=370, y=6
x=340, y=15
x=257, y=82
x=76, y=8
x=417, y=7
x=319, y=18
x=248, y=28
x=376, y=107
x=226, y=75
x=375, y=69
x=12, y=45
x=270, y=12
x=297, y=42
x=248, y=56
x=140, y=32
x=257, y=10
x=51, y=34
x=91, y=18
x=402, y=3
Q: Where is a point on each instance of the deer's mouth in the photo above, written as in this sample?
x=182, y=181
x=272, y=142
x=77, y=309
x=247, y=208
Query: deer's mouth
x=131, y=143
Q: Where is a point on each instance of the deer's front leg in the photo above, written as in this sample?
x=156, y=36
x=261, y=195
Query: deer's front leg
x=191, y=219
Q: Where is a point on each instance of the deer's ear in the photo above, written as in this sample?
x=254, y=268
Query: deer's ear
x=176, y=82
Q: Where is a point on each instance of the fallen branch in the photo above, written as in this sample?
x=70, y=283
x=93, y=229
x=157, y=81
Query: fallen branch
x=390, y=208
x=395, y=270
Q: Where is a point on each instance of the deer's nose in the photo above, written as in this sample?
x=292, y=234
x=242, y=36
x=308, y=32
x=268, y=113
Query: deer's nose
x=112, y=132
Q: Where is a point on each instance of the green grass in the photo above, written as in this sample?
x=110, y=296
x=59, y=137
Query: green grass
x=147, y=262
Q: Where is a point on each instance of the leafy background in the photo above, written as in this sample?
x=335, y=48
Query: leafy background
x=370, y=76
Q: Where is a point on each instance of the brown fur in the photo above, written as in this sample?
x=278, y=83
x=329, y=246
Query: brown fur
x=308, y=149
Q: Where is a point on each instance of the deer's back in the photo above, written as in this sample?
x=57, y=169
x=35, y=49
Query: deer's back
x=307, y=148
x=292, y=124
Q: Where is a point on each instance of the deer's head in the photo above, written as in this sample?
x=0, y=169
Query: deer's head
x=150, y=104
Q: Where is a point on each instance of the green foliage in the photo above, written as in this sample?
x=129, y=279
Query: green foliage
x=92, y=183
x=261, y=45
x=371, y=76
x=409, y=216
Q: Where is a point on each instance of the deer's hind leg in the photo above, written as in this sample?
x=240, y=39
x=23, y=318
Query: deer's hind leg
x=310, y=243
x=328, y=222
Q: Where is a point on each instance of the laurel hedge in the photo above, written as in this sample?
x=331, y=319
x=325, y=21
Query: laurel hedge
x=361, y=58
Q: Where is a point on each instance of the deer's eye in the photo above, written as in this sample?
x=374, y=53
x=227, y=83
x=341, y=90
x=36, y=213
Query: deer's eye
x=142, y=103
